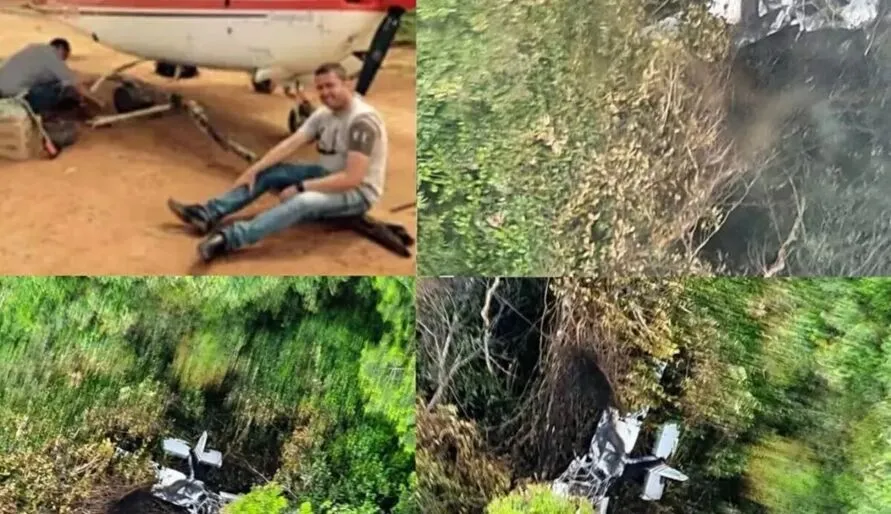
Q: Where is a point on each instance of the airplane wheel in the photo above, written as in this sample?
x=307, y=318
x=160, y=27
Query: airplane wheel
x=189, y=72
x=293, y=125
x=298, y=116
x=265, y=87
x=128, y=98
x=166, y=69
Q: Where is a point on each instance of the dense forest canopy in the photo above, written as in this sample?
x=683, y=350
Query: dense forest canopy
x=566, y=137
x=783, y=388
x=304, y=384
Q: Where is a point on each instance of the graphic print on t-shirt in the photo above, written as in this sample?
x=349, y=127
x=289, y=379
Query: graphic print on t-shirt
x=327, y=142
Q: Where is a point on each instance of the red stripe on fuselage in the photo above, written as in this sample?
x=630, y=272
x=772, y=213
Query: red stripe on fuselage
x=259, y=5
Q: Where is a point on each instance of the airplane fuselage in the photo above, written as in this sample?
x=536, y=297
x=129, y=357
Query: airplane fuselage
x=292, y=36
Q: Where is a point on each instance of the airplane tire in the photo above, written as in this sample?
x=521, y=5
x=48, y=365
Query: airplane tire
x=264, y=87
x=298, y=115
x=127, y=98
x=166, y=69
x=292, y=121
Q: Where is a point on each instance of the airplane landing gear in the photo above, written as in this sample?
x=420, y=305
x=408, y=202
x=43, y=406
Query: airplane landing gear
x=128, y=97
x=264, y=87
x=174, y=71
x=298, y=115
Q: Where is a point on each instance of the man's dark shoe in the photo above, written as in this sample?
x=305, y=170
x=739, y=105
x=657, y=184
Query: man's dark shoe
x=212, y=247
x=193, y=215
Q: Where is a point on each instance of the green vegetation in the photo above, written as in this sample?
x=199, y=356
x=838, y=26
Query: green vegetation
x=537, y=499
x=518, y=101
x=304, y=384
x=266, y=499
x=570, y=138
x=783, y=389
x=408, y=29
x=495, y=81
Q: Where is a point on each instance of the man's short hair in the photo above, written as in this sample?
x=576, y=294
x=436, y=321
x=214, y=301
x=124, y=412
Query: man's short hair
x=62, y=44
x=332, y=67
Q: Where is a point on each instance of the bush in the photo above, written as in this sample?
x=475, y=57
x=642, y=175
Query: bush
x=538, y=499
x=455, y=474
x=66, y=477
x=505, y=156
x=265, y=499
x=647, y=191
x=364, y=465
x=493, y=164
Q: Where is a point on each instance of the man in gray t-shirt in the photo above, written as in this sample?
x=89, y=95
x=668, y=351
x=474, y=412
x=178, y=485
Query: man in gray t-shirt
x=352, y=142
x=39, y=73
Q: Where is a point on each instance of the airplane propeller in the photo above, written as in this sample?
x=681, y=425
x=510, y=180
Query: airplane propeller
x=371, y=63
x=380, y=45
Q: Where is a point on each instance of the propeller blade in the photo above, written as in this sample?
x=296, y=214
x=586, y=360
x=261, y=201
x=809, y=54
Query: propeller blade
x=381, y=43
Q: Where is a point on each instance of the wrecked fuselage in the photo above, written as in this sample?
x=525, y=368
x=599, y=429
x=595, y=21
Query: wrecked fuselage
x=186, y=491
x=755, y=20
x=609, y=461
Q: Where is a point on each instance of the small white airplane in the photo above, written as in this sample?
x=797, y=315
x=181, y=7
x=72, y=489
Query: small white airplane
x=188, y=491
x=609, y=460
x=275, y=40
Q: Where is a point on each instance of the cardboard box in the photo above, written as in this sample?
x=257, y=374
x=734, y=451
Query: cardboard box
x=19, y=139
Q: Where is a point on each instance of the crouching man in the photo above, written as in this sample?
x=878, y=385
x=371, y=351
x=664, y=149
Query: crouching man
x=349, y=178
x=39, y=73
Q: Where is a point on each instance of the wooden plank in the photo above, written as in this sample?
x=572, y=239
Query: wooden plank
x=101, y=121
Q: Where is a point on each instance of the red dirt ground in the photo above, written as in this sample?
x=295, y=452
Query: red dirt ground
x=99, y=208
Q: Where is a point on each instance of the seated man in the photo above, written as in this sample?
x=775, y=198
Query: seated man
x=349, y=179
x=39, y=73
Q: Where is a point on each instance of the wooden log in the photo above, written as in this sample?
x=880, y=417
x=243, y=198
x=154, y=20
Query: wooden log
x=104, y=121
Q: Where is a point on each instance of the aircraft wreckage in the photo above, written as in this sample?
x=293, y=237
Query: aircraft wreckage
x=755, y=20
x=187, y=491
x=609, y=460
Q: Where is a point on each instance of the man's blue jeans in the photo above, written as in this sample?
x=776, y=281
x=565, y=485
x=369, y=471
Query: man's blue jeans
x=44, y=98
x=300, y=208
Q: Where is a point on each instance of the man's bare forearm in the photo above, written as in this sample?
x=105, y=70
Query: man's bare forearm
x=85, y=94
x=348, y=178
x=279, y=153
